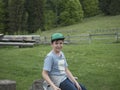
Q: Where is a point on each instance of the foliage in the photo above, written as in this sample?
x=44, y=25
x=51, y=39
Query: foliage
x=19, y=16
x=114, y=7
x=23, y=15
x=65, y=12
x=6, y=16
x=71, y=13
x=110, y=7
x=1, y=16
x=50, y=15
x=15, y=12
x=49, y=19
x=90, y=7
x=35, y=15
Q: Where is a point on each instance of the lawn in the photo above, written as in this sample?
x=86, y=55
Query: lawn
x=97, y=65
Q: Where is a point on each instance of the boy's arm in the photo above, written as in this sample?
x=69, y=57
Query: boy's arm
x=72, y=78
x=47, y=78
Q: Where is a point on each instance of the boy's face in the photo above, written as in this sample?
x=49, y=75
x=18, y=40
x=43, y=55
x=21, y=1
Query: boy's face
x=57, y=45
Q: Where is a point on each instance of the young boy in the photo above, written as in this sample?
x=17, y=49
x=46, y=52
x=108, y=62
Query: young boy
x=55, y=69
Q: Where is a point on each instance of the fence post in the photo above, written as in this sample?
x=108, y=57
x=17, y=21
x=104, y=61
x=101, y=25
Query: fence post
x=68, y=38
x=116, y=36
x=90, y=38
x=7, y=85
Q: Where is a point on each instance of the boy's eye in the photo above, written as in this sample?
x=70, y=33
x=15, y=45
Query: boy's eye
x=61, y=43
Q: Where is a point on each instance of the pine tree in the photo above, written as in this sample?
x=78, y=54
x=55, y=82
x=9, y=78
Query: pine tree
x=2, y=12
x=90, y=7
x=35, y=12
x=15, y=13
x=104, y=6
x=51, y=13
x=114, y=7
x=110, y=7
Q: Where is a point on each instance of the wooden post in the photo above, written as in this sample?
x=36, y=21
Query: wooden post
x=7, y=85
x=116, y=36
x=1, y=36
x=90, y=38
x=37, y=85
x=68, y=38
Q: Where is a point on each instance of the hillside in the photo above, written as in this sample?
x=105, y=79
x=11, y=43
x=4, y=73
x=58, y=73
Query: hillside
x=87, y=25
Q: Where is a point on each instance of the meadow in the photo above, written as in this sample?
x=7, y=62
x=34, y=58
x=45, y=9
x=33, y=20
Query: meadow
x=97, y=66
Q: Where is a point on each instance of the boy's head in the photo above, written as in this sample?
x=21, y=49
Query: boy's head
x=57, y=36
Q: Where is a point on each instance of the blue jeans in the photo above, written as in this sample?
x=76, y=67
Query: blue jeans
x=68, y=85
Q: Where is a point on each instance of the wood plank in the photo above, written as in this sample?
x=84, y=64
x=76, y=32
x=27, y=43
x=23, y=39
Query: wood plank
x=103, y=34
x=1, y=35
x=15, y=44
x=7, y=85
x=21, y=38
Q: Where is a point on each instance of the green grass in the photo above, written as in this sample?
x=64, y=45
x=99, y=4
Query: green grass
x=96, y=65
x=88, y=25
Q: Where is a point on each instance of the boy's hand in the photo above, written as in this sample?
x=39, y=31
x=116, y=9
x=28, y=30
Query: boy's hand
x=56, y=88
x=78, y=86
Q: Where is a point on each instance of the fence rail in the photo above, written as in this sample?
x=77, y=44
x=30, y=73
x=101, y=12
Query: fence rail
x=106, y=36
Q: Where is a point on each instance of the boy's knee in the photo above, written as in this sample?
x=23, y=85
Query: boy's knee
x=83, y=87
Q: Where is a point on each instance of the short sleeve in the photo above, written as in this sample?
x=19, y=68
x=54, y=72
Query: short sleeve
x=48, y=63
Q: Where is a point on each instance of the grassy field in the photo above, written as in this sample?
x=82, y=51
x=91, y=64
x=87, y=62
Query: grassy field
x=87, y=26
x=96, y=65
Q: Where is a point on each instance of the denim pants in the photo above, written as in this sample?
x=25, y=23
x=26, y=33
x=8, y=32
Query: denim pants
x=68, y=85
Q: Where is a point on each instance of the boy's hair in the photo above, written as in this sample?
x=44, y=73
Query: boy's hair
x=57, y=36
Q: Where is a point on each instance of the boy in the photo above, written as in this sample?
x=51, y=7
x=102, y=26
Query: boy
x=55, y=69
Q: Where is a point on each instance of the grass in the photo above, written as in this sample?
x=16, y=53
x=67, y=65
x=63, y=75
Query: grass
x=96, y=65
x=88, y=25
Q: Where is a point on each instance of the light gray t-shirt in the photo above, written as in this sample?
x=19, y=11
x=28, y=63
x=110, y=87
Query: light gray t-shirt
x=55, y=65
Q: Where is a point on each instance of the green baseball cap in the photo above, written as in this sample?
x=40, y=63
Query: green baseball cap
x=57, y=36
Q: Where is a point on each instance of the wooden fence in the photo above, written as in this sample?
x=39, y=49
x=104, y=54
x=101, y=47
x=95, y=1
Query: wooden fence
x=102, y=36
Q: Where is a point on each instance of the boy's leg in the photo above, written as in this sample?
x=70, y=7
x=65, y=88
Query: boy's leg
x=83, y=87
x=67, y=85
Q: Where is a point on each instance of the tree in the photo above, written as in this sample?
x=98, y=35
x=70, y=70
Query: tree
x=2, y=12
x=110, y=7
x=70, y=12
x=35, y=12
x=114, y=7
x=65, y=12
x=90, y=7
x=15, y=13
x=104, y=6
x=5, y=19
x=51, y=13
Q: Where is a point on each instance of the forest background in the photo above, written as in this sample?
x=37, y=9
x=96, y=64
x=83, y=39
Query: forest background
x=30, y=16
